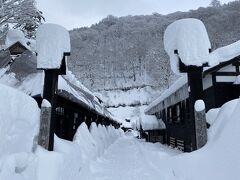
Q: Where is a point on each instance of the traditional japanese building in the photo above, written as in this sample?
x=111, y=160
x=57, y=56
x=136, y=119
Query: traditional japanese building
x=75, y=103
x=220, y=85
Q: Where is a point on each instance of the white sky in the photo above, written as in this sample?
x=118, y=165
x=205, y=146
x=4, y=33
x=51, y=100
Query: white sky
x=79, y=13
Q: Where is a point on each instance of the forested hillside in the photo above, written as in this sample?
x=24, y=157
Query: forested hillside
x=128, y=51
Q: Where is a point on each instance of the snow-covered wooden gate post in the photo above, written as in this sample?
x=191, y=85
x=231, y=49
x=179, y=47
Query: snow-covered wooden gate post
x=187, y=43
x=53, y=47
x=200, y=123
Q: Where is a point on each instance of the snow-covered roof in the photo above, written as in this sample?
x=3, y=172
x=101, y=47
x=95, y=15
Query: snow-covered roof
x=220, y=55
x=171, y=90
x=13, y=36
x=224, y=54
x=24, y=76
x=52, y=42
x=190, y=38
x=150, y=122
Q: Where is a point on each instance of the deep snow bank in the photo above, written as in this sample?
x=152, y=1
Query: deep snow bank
x=219, y=158
x=19, y=121
x=65, y=162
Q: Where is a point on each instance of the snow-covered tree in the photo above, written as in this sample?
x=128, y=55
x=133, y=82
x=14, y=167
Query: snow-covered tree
x=215, y=3
x=128, y=51
x=21, y=14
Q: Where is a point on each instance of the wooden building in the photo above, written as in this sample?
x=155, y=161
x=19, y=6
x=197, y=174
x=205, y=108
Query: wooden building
x=173, y=106
x=74, y=103
x=152, y=129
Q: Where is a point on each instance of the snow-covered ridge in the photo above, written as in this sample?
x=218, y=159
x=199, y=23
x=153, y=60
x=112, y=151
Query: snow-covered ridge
x=171, y=90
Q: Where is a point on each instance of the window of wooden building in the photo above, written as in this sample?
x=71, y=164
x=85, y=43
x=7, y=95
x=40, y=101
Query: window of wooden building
x=169, y=115
x=187, y=109
x=60, y=111
x=75, y=121
x=163, y=115
x=178, y=113
x=182, y=112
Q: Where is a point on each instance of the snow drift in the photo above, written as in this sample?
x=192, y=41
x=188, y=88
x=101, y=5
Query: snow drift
x=19, y=121
x=219, y=158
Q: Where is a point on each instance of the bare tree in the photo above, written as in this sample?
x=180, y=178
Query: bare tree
x=215, y=3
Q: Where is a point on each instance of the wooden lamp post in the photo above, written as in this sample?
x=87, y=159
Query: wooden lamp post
x=195, y=82
x=50, y=94
x=51, y=37
x=187, y=43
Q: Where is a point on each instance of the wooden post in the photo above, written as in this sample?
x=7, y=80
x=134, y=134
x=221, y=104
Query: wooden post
x=49, y=93
x=196, y=93
x=45, y=122
x=200, y=125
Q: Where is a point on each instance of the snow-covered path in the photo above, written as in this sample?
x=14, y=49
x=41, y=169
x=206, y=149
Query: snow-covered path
x=128, y=159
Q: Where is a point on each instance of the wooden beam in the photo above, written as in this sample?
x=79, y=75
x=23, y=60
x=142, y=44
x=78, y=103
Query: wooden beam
x=227, y=73
x=196, y=92
x=49, y=93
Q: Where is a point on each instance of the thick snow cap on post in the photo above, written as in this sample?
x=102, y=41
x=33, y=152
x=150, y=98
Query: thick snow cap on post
x=52, y=42
x=46, y=103
x=190, y=38
x=199, y=105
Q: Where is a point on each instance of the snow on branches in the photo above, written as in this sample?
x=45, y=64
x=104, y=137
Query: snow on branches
x=22, y=14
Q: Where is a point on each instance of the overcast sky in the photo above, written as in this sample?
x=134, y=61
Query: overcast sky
x=79, y=13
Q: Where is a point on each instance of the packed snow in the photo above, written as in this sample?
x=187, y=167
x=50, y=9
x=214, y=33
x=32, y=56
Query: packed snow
x=129, y=158
x=52, y=42
x=190, y=38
